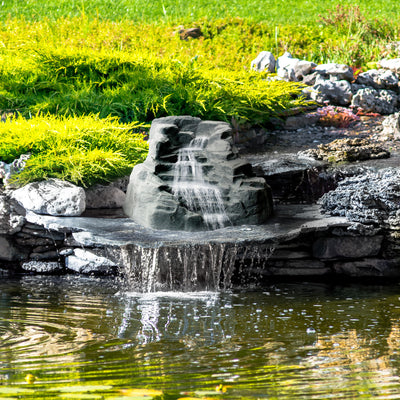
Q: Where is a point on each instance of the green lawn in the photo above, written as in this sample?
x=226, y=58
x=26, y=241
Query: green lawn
x=271, y=11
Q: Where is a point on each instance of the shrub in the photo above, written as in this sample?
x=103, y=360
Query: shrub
x=82, y=150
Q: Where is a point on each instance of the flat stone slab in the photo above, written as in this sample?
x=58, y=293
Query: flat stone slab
x=288, y=222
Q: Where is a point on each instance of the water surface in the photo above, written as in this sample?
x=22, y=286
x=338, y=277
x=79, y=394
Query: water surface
x=85, y=338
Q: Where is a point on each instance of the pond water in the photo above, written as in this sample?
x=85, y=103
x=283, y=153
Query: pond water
x=85, y=338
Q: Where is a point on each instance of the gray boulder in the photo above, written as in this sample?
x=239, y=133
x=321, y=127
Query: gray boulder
x=285, y=67
x=334, y=92
x=52, y=197
x=8, y=171
x=303, y=68
x=264, y=61
x=379, y=79
x=11, y=221
x=334, y=71
x=373, y=100
x=9, y=251
x=391, y=126
x=100, y=196
x=193, y=179
x=293, y=69
x=86, y=262
x=42, y=267
x=391, y=64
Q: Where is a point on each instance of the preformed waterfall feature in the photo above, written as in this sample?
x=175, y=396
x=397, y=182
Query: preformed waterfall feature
x=193, y=179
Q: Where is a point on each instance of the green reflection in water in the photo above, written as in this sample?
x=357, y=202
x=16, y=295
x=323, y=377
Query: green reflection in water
x=70, y=337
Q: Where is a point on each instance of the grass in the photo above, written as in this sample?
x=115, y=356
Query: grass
x=287, y=12
x=125, y=59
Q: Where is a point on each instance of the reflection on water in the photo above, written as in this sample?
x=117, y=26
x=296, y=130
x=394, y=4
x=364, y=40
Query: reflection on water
x=86, y=338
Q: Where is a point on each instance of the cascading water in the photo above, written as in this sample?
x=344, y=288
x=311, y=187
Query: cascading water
x=192, y=188
x=190, y=193
x=192, y=266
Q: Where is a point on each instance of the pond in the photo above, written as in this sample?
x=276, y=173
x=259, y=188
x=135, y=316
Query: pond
x=87, y=338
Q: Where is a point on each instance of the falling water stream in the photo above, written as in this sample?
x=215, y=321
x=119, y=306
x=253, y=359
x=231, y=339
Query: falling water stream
x=191, y=186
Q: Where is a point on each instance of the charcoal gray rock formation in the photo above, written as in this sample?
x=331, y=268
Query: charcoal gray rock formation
x=371, y=198
x=334, y=92
x=335, y=72
x=193, y=179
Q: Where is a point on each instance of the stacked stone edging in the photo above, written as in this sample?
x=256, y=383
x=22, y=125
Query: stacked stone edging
x=376, y=90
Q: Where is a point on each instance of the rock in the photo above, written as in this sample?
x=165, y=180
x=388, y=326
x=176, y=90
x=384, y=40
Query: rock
x=371, y=267
x=372, y=198
x=311, y=78
x=296, y=268
x=285, y=60
x=292, y=179
x=9, y=251
x=264, y=61
x=303, y=68
x=347, y=247
x=9, y=171
x=377, y=101
x=10, y=220
x=391, y=64
x=301, y=121
x=193, y=33
x=47, y=255
x=52, y=197
x=334, y=92
x=391, y=126
x=285, y=67
x=42, y=267
x=379, y=79
x=233, y=192
x=336, y=72
x=86, y=262
x=347, y=150
x=100, y=196
x=293, y=69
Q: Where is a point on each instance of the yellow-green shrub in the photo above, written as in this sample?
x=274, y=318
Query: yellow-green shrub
x=83, y=150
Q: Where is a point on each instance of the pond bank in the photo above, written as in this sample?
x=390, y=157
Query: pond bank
x=298, y=240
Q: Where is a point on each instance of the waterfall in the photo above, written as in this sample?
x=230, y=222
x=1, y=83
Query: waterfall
x=191, y=187
x=193, y=267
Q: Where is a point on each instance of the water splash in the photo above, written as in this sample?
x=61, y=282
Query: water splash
x=192, y=188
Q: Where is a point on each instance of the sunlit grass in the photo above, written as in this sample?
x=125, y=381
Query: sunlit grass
x=82, y=150
x=178, y=11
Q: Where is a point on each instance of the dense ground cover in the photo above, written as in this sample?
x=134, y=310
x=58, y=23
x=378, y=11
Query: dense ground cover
x=82, y=150
x=80, y=58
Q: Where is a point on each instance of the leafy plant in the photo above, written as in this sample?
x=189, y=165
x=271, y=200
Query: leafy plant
x=339, y=117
